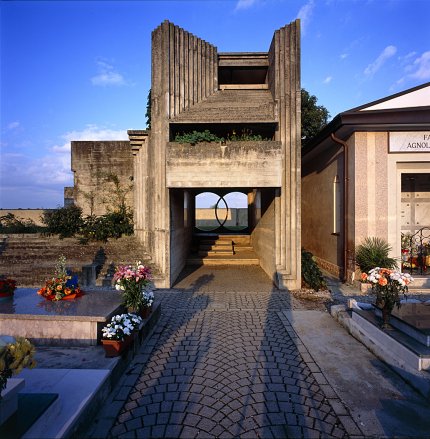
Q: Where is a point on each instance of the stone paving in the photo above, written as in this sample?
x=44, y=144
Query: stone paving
x=224, y=364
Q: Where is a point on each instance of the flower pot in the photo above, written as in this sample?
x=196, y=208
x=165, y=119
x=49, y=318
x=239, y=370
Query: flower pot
x=114, y=348
x=145, y=312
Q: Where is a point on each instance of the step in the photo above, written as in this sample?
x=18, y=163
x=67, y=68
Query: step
x=215, y=245
x=205, y=253
x=222, y=261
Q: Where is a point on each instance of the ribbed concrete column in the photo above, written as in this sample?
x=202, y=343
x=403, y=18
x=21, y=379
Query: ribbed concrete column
x=180, y=78
x=284, y=84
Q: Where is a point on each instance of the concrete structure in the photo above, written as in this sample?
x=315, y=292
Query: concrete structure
x=196, y=88
x=367, y=174
x=95, y=164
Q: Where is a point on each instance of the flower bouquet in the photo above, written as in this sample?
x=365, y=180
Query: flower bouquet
x=388, y=285
x=133, y=282
x=7, y=287
x=62, y=286
x=117, y=335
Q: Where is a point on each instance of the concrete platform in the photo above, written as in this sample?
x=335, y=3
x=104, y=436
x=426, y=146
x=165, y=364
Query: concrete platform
x=379, y=400
x=63, y=323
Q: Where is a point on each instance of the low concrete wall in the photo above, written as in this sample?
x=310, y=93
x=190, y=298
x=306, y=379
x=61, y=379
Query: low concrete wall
x=235, y=217
x=212, y=165
x=26, y=214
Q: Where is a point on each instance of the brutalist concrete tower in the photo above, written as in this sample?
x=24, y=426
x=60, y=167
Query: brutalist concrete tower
x=196, y=88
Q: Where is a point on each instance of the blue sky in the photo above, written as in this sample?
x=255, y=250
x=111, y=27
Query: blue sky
x=81, y=70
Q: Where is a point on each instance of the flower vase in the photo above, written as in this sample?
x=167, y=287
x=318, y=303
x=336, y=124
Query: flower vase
x=114, y=348
x=386, y=314
x=145, y=312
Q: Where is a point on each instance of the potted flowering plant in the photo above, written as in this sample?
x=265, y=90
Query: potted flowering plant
x=7, y=287
x=133, y=281
x=116, y=335
x=61, y=286
x=387, y=285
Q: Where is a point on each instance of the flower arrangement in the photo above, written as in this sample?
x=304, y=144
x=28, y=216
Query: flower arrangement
x=132, y=282
x=120, y=326
x=7, y=286
x=388, y=285
x=62, y=286
x=15, y=354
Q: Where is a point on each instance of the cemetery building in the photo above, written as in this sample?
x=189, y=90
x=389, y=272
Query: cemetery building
x=250, y=103
x=367, y=174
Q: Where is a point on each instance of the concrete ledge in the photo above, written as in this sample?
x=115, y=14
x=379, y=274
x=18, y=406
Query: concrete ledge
x=418, y=379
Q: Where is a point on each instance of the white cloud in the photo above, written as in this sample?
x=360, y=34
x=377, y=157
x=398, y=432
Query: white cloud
x=47, y=175
x=305, y=14
x=13, y=125
x=245, y=4
x=386, y=54
x=343, y=55
x=107, y=75
x=328, y=80
x=422, y=67
x=418, y=68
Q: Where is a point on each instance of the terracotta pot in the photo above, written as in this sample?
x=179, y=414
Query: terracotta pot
x=114, y=348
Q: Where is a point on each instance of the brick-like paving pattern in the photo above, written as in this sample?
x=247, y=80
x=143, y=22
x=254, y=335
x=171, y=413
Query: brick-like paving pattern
x=226, y=365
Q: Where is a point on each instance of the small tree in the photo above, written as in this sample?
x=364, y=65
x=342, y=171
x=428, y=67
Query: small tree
x=314, y=117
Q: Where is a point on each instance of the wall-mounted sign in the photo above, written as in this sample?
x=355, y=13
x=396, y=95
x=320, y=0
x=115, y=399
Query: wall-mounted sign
x=412, y=141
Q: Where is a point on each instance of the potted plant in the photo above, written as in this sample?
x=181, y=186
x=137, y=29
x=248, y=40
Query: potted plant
x=117, y=335
x=133, y=282
x=373, y=252
x=7, y=287
x=62, y=286
x=387, y=285
x=15, y=354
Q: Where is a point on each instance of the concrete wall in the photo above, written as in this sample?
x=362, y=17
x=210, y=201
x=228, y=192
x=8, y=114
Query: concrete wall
x=236, y=164
x=263, y=236
x=92, y=162
x=319, y=232
x=181, y=232
x=26, y=214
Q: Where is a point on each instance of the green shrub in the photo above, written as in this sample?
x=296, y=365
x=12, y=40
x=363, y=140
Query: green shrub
x=112, y=225
x=65, y=221
x=197, y=136
x=11, y=224
x=311, y=273
x=206, y=136
x=373, y=252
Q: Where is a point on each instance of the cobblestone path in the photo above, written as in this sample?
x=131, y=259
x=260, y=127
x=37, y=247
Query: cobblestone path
x=226, y=365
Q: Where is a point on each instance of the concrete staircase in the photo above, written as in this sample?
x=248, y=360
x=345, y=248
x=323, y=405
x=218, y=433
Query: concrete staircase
x=31, y=258
x=215, y=249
